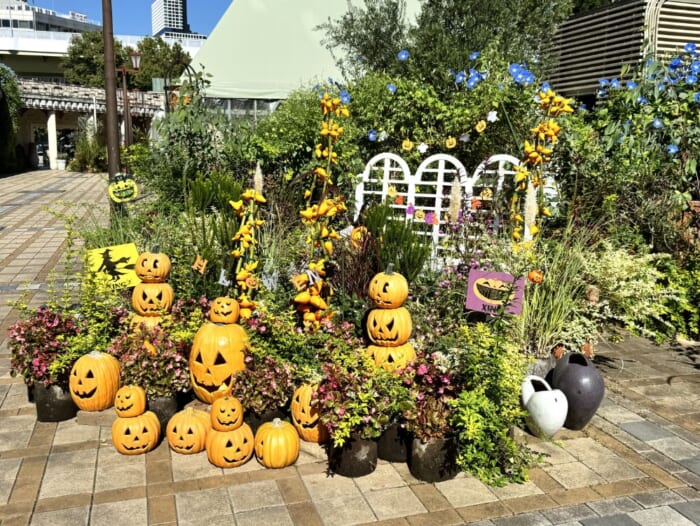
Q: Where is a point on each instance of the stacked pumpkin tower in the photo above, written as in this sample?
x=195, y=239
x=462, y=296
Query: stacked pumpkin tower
x=389, y=326
x=153, y=297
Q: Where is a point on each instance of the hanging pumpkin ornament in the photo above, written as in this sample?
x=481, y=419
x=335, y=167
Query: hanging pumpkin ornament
x=305, y=417
x=94, y=380
x=187, y=431
x=276, y=444
x=230, y=449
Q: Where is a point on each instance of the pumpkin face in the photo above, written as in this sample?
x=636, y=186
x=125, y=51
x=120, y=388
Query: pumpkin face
x=137, y=434
x=305, y=417
x=122, y=190
x=152, y=268
x=389, y=327
x=147, y=321
x=130, y=401
x=388, y=290
x=230, y=449
x=187, y=431
x=276, y=444
x=535, y=276
x=94, y=380
x=218, y=353
x=226, y=413
x=493, y=291
x=392, y=358
x=224, y=310
x=152, y=299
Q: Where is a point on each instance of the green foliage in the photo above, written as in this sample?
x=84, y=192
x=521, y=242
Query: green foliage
x=90, y=149
x=10, y=106
x=681, y=309
x=158, y=60
x=84, y=64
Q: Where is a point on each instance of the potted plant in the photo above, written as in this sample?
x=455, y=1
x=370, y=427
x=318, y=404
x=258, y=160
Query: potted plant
x=61, y=160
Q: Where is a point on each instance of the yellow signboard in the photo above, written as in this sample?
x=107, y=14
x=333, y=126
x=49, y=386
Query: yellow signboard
x=116, y=261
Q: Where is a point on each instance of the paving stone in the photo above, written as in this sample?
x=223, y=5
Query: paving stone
x=70, y=431
x=202, y=505
x=16, y=432
x=611, y=520
x=675, y=448
x=585, y=448
x=448, y=517
x=394, y=502
x=344, y=510
x=693, y=464
x=617, y=414
x=614, y=506
x=525, y=519
x=662, y=515
x=271, y=516
x=645, y=431
x=323, y=487
x=612, y=468
x=293, y=490
x=120, y=476
x=8, y=472
x=430, y=497
x=465, y=491
x=569, y=514
x=70, y=460
x=133, y=511
x=383, y=477
x=56, y=485
x=72, y=516
x=187, y=467
x=690, y=510
x=511, y=491
x=552, y=454
x=255, y=495
x=574, y=475
x=657, y=498
x=304, y=514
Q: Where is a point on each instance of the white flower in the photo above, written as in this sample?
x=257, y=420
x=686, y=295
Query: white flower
x=492, y=116
x=383, y=135
x=422, y=147
x=464, y=138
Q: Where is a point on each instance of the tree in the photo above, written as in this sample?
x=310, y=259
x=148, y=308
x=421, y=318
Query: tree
x=84, y=65
x=158, y=60
x=10, y=106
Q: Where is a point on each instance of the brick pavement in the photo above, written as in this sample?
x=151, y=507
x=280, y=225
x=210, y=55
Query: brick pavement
x=637, y=462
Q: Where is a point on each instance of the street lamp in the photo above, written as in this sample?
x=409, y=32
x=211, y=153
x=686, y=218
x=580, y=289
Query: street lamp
x=135, y=64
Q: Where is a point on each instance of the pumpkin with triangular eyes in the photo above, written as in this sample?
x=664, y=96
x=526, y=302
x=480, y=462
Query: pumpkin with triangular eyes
x=136, y=434
x=305, y=416
x=392, y=358
x=187, y=431
x=94, y=380
x=389, y=327
x=226, y=413
x=230, y=449
x=388, y=290
x=130, y=401
x=224, y=310
x=152, y=299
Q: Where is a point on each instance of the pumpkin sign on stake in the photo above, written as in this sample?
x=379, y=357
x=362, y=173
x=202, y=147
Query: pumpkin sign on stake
x=94, y=380
x=305, y=417
x=123, y=188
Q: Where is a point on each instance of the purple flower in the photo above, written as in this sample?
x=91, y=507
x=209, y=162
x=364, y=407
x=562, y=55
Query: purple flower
x=410, y=209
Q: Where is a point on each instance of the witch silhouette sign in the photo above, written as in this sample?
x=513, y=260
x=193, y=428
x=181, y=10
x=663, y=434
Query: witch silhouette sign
x=116, y=261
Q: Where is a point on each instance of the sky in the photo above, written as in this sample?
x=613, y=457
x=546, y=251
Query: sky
x=133, y=17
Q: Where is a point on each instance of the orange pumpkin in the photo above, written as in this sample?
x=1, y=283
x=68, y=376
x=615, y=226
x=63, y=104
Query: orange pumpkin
x=535, y=276
x=137, y=434
x=224, y=310
x=388, y=290
x=276, y=444
x=152, y=267
x=226, y=413
x=130, y=400
x=152, y=299
x=187, y=431
x=230, y=449
x=392, y=358
x=389, y=327
x=218, y=353
x=94, y=380
x=305, y=417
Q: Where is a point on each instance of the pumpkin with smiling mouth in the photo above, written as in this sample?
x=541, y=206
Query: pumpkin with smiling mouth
x=187, y=431
x=94, y=380
x=134, y=435
x=129, y=401
x=230, y=449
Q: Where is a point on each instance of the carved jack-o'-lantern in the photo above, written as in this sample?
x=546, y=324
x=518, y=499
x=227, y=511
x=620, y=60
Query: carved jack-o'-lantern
x=226, y=413
x=224, y=310
x=136, y=321
x=123, y=189
x=187, y=431
x=136, y=434
x=218, y=353
x=389, y=327
x=392, y=358
x=388, y=290
x=276, y=444
x=152, y=299
x=229, y=449
x=94, y=380
x=305, y=417
x=152, y=267
x=130, y=400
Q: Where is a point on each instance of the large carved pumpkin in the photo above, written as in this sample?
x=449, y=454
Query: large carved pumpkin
x=229, y=449
x=137, y=434
x=187, y=431
x=94, y=380
x=305, y=417
x=389, y=327
x=130, y=400
x=152, y=267
x=218, y=353
x=226, y=413
x=224, y=310
x=392, y=358
x=276, y=444
x=388, y=290
x=152, y=299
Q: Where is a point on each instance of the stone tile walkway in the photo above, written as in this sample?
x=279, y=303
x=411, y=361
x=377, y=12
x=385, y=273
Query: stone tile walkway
x=636, y=463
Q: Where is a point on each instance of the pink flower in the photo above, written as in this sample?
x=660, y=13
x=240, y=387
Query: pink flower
x=422, y=369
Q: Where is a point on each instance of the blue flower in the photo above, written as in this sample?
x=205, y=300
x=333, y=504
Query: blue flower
x=614, y=83
x=691, y=79
x=642, y=100
x=344, y=97
x=391, y=87
x=545, y=87
x=631, y=85
x=514, y=68
x=472, y=82
x=690, y=47
x=672, y=149
x=460, y=77
x=474, y=55
x=372, y=135
x=657, y=123
x=675, y=63
x=582, y=107
x=601, y=92
x=695, y=66
x=403, y=55
x=696, y=98
x=603, y=82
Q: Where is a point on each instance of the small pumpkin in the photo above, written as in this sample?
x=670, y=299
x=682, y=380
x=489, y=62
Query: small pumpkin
x=137, y=434
x=388, y=290
x=129, y=401
x=94, y=380
x=276, y=444
x=392, y=358
x=389, y=327
x=152, y=267
x=230, y=449
x=187, y=431
x=305, y=417
x=226, y=413
x=152, y=299
x=224, y=310
x=535, y=276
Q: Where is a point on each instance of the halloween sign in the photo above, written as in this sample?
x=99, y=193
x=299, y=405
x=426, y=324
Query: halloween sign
x=123, y=189
x=488, y=291
x=117, y=261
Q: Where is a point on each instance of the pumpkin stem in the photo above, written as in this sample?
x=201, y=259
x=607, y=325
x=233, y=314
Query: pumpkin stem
x=389, y=269
x=276, y=422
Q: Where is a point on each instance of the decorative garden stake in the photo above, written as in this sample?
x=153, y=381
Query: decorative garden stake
x=581, y=382
x=547, y=408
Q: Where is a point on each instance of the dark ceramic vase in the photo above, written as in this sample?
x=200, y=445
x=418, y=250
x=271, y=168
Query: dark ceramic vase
x=53, y=403
x=434, y=460
x=581, y=382
x=356, y=458
x=255, y=420
x=394, y=444
x=164, y=407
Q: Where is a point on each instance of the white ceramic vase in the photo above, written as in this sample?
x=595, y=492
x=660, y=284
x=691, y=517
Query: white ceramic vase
x=547, y=408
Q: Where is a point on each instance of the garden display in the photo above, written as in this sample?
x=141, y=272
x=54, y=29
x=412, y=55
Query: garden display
x=94, y=381
x=137, y=434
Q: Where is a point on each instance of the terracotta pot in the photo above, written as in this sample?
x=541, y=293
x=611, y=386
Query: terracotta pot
x=394, y=444
x=356, y=458
x=434, y=460
x=546, y=407
x=53, y=403
x=581, y=382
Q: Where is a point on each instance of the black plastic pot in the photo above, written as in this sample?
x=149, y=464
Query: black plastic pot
x=357, y=457
x=164, y=407
x=434, y=460
x=394, y=444
x=255, y=420
x=581, y=382
x=53, y=403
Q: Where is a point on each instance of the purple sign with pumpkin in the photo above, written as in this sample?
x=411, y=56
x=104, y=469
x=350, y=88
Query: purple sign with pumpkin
x=487, y=291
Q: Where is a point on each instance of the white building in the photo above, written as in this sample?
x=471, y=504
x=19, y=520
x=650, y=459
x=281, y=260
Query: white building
x=18, y=15
x=169, y=20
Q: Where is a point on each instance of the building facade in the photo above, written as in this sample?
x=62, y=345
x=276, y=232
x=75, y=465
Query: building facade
x=19, y=15
x=169, y=20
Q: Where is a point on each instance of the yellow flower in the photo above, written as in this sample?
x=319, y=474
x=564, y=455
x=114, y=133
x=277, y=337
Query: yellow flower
x=419, y=215
x=237, y=206
x=252, y=195
x=318, y=151
x=450, y=143
x=521, y=174
x=391, y=192
x=534, y=229
x=407, y=145
x=480, y=126
x=321, y=173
